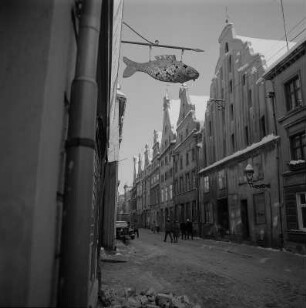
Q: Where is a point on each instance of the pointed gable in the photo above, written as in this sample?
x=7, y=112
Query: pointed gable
x=185, y=105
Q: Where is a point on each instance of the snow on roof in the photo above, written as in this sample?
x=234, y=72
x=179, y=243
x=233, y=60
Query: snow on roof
x=263, y=141
x=270, y=49
x=174, y=112
x=286, y=54
x=200, y=104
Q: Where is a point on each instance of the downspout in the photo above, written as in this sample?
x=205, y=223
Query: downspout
x=273, y=100
x=80, y=148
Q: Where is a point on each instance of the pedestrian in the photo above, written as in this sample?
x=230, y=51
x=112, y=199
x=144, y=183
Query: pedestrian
x=168, y=230
x=153, y=228
x=189, y=229
x=156, y=227
x=176, y=231
x=183, y=230
x=136, y=229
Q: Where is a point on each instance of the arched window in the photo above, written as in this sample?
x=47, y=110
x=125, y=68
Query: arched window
x=226, y=47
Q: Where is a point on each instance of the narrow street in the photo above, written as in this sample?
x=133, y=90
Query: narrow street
x=211, y=273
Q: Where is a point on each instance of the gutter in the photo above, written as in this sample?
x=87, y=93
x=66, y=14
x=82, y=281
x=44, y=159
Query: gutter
x=80, y=149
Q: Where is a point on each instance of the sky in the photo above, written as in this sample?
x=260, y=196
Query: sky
x=186, y=23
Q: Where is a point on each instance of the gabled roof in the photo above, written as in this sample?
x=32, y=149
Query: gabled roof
x=174, y=112
x=270, y=49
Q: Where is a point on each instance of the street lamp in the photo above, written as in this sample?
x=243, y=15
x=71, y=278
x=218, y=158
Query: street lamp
x=249, y=173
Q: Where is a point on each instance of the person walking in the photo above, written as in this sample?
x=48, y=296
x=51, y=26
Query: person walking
x=189, y=229
x=183, y=230
x=168, y=230
x=176, y=231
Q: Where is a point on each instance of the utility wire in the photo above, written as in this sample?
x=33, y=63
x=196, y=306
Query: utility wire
x=256, y=59
x=137, y=33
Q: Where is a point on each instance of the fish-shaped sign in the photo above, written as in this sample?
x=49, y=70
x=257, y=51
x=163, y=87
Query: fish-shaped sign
x=164, y=68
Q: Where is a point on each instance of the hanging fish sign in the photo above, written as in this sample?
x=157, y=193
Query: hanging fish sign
x=165, y=68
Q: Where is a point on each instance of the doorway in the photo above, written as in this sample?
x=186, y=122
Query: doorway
x=244, y=219
x=223, y=217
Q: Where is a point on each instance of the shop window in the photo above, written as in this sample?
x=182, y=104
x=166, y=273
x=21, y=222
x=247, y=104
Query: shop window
x=293, y=93
x=301, y=210
x=298, y=146
x=259, y=207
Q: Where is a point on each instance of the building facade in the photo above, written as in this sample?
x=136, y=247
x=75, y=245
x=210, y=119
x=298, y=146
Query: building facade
x=239, y=130
x=170, y=114
x=55, y=152
x=185, y=154
x=287, y=92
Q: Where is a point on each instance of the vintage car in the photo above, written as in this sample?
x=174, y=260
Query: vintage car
x=124, y=231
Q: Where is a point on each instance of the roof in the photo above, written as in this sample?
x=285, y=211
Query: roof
x=270, y=49
x=300, y=42
x=174, y=112
x=262, y=142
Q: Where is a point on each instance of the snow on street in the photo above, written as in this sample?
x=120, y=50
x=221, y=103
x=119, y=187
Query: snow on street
x=211, y=273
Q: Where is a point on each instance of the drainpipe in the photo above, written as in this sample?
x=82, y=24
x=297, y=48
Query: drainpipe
x=80, y=148
x=271, y=95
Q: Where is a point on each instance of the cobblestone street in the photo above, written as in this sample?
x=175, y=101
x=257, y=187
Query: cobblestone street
x=211, y=273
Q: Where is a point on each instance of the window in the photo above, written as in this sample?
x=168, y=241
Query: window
x=226, y=47
x=293, y=93
x=301, y=210
x=187, y=159
x=166, y=160
x=259, y=206
x=298, y=146
x=246, y=130
x=206, y=184
x=181, y=162
x=208, y=213
x=187, y=181
x=166, y=193
x=193, y=154
x=263, y=127
x=243, y=79
x=210, y=128
x=181, y=137
x=221, y=179
x=232, y=111
x=250, y=98
x=162, y=195
x=181, y=184
x=231, y=86
x=193, y=179
x=233, y=142
x=230, y=63
x=170, y=192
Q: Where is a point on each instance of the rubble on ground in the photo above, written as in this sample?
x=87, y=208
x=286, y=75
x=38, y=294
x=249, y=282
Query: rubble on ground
x=128, y=298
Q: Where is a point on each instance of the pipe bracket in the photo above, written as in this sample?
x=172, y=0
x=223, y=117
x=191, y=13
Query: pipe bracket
x=80, y=142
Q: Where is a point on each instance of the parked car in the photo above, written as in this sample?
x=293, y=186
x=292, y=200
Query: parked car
x=124, y=230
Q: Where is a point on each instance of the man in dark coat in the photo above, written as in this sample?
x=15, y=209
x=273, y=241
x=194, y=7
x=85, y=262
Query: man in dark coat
x=168, y=230
x=189, y=229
